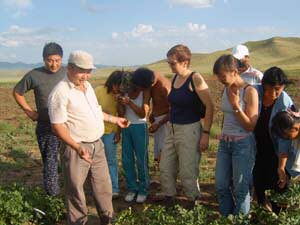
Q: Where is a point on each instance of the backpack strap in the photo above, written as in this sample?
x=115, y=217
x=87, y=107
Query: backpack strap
x=192, y=82
x=173, y=81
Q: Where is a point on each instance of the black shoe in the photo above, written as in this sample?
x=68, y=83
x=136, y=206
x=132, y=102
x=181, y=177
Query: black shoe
x=105, y=220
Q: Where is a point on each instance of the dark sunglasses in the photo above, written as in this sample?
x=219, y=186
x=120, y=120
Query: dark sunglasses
x=172, y=63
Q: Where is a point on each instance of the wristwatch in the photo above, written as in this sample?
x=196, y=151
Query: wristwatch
x=206, y=131
x=236, y=110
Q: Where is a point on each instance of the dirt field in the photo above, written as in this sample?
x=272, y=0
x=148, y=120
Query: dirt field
x=20, y=159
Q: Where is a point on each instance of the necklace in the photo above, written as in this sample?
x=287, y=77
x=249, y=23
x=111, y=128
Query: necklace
x=266, y=107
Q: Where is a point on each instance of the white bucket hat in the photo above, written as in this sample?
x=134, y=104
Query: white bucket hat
x=81, y=59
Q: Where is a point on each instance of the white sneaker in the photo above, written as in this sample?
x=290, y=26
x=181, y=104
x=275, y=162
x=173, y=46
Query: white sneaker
x=141, y=198
x=130, y=196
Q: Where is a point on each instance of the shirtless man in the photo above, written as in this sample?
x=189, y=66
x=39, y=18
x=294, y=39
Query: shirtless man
x=159, y=89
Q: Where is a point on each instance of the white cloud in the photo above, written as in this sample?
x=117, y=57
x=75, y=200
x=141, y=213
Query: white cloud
x=126, y=47
x=17, y=8
x=114, y=35
x=11, y=43
x=141, y=30
x=72, y=29
x=15, y=29
x=91, y=7
x=153, y=42
x=8, y=57
x=193, y=3
x=17, y=36
x=19, y=4
x=196, y=27
x=263, y=30
x=88, y=6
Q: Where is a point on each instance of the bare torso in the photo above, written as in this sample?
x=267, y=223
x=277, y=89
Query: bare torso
x=159, y=95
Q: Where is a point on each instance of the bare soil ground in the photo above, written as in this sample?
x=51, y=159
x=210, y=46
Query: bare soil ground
x=30, y=171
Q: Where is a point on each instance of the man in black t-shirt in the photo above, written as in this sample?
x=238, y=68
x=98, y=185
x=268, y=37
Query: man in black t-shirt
x=42, y=80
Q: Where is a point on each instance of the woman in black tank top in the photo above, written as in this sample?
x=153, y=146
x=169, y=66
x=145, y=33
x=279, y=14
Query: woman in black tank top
x=185, y=138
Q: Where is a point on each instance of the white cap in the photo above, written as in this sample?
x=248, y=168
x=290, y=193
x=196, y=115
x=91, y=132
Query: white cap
x=81, y=59
x=240, y=51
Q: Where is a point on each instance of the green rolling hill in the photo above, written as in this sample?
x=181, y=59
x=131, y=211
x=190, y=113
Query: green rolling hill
x=276, y=51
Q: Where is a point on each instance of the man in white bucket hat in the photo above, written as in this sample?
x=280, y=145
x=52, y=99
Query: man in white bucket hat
x=77, y=119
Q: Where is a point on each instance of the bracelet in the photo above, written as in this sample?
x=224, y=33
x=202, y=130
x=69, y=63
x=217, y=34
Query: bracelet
x=109, y=118
x=236, y=110
x=206, y=131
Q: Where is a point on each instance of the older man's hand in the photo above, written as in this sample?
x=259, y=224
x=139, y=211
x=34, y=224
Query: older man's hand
x=84, y=154
x=123, y=122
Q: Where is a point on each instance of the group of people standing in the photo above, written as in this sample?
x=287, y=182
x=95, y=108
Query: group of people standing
x=87, y=124
x=250, y=153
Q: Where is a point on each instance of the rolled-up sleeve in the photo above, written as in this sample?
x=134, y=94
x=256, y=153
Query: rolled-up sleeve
x=57, y=106
x=284, y=146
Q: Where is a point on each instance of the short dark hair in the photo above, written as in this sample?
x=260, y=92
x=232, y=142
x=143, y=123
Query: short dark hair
x=115, y=78
x=52, y=48
x=143, y=77
x=225, y=62
x=275, y=76
x=282, y=122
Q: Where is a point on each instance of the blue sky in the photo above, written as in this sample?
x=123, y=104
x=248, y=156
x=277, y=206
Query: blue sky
x=133, y=32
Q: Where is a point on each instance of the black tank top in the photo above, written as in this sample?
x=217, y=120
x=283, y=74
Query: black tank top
x=183, y=103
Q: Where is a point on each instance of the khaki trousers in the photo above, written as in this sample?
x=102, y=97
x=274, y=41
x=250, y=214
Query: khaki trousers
x=181, y=156
x=76, y=171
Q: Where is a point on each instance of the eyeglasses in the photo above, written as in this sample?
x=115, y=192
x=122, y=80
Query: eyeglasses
x=172, y=63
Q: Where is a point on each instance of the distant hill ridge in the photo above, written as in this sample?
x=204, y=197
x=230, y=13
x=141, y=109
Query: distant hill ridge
x=26, y=66
x=283, y=52
x=18, y=65
x=276, y=51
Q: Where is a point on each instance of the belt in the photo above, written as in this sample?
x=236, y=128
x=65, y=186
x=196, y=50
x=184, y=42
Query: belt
x=90, y=142
x=231, y=137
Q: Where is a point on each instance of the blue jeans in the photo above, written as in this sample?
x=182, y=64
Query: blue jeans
x=235, y=161
x=135, y=157
x=111, y=157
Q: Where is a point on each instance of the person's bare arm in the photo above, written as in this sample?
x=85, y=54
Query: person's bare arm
x=282, y=177
x=202, y=91
x=120, y=121
x=142, y=111
x=61, y=131
x=247, y=118
x=20, y=99
x=155, y=125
